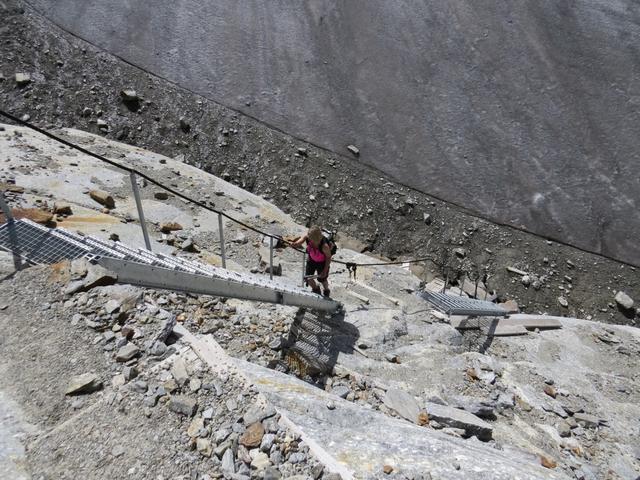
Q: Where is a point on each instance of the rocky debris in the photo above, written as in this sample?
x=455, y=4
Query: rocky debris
x=22, y=79
x=563, y=302
x=456, y=418
x=624, y=300
x=103, y=198
x=403, y=404
x=62, y=208
x=85, y=383
x=169, y=227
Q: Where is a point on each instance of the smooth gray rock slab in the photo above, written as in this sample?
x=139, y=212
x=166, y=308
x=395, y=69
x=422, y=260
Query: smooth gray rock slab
x=456, y=418
x=363, y=440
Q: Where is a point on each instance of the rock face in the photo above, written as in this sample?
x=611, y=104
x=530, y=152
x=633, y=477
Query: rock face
x=363, y=439
x=325, y=105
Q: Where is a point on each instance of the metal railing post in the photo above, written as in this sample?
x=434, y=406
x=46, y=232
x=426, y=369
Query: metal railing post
x=5, y=208
x=222, y=254
x=143, y=224
x=271, y=258
x=304, y=265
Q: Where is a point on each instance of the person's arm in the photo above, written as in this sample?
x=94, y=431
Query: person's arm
x=327, y=263
x=300, y=241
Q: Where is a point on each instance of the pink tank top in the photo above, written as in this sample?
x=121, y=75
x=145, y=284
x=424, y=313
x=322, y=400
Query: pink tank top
x=316, y=253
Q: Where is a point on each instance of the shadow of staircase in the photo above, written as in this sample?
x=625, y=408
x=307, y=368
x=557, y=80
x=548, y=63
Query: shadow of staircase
x=316, y=339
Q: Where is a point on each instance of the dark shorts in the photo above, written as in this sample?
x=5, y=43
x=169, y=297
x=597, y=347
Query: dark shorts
x=314, y=267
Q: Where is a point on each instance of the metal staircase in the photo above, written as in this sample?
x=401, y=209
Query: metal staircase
x=41, y=245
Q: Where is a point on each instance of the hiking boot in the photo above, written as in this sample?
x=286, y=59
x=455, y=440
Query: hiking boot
x=327, y=293
x=316, y=290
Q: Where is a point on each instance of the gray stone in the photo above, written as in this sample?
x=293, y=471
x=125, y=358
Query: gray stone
x=85, y=383
x=223, y=447
x=402, y=403
x=204, y=447
x=228, y=461
x=98, y=276
x=129, y=95
x=272, y=473
x=353, y=149
x=258, y=413
x=586, y=420
x=179, y=372
x=183, y=405
x=267, y=442
x=103, y=198
x=22, y=79
x=111, y=306
x=259, y=460
x=341, y=391
x=480, y=408
x=564, y=429
x=276, y=343
x=297, y=457
x=129, y=373
x=241, y=238
x=127, y=352
x=624, y=300
x=453, y=417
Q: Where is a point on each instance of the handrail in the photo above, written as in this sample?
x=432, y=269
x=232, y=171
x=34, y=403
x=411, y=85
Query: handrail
x=256, y=230
x=181, y=195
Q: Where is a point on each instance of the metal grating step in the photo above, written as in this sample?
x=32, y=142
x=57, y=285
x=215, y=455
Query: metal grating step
x=455, y=305
x=42, y=245
x=39, y=244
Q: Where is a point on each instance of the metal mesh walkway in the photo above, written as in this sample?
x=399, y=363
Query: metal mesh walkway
x=458, y=305
x=41, y=245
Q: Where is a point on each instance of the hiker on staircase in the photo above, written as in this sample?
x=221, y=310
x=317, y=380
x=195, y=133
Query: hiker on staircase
x=318, y=259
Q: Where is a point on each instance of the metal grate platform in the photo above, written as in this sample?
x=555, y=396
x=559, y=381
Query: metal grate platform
x=41, y=245
x=38, y=244
x=455, y=305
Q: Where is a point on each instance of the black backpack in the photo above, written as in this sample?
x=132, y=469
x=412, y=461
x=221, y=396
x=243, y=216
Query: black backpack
x=329, y=237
